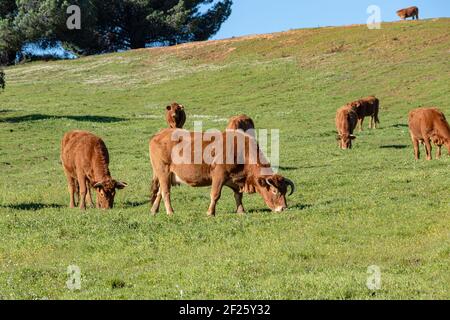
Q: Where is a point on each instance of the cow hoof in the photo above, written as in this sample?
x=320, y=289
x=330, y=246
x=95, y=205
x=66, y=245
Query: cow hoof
x=211, y=215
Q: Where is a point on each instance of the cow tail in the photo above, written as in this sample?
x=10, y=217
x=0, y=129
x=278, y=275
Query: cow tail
x=154, y=190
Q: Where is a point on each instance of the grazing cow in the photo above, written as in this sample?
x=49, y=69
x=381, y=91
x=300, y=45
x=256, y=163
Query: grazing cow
x=85, y=161
x=238, y=172
x=366, y=107
x=175, y=115
x=428, y=125
x=241, y=122
x=411, y=12
x=346, y=119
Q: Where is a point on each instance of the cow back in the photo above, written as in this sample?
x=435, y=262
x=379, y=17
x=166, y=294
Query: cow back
x=82, y=150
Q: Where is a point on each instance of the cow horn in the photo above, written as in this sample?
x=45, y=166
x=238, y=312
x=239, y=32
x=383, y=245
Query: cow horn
x=270, y=184
x=291, y=184
x=98, y=185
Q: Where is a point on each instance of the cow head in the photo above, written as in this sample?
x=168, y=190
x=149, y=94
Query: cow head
x=175, y=113
x=273, y=189
x=345, y=140
x=106, y=191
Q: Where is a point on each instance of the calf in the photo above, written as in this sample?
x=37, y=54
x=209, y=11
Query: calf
x=428, y=125
x=175, y=115
x=411, y=12
x=346, y=119
x=85, y=161
x=367, y=107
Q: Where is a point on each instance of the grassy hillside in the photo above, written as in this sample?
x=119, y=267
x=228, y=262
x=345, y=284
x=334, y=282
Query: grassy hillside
x=373, y=205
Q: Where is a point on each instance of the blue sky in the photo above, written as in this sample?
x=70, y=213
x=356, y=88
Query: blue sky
x=266, y=16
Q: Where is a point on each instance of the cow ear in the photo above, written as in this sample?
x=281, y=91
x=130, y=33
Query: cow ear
x=121, y=185
x=168, y=108
x=98, y=185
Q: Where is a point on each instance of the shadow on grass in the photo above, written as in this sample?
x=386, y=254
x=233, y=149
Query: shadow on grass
x=132, y=204
x=87, y=118
x=265, y=210
x=298, y=206
x=288, y=168
x=400, y=125
x=32, y=206
x=394, y=146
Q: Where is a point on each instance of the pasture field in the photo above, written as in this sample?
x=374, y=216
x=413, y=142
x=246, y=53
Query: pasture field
x=372, y=205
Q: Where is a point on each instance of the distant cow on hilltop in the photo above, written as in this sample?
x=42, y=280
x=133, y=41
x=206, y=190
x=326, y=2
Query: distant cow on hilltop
x=428, y=125
x=411, y=12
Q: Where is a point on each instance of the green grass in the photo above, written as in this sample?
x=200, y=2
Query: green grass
x=373, y=205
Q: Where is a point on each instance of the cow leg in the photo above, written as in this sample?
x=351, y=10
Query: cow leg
x=438, y=152
x=361, y=124
x=164, y=185
x=156, y=203
x=238, y=197
x=239, y=206
x=82, y=195
x=89, y=195
x=72, y=186
x=428, y=148
x=416, y=148
x=216, y=190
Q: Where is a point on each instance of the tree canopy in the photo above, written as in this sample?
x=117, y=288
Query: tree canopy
x=108, y=25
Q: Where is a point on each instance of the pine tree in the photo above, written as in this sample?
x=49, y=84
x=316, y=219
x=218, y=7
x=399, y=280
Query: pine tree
x=108, y=25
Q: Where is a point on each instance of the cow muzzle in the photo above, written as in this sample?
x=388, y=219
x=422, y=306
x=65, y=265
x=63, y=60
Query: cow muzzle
x=280, y=209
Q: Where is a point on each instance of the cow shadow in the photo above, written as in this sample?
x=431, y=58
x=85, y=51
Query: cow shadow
x=399, y=125
x=133, y=204
x=287, y=168
x=85, y=118
x=394, y=146
x=260, y=210
x=298, y=206
x=31, y=206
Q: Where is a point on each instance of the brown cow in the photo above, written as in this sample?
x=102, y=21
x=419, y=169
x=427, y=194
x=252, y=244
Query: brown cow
x=85, y=161
x=408, y=13
x=242, y=122
x=366, y=107
x=346, y=119
x=428, y=125
x=241, y=174
x=175, y=115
